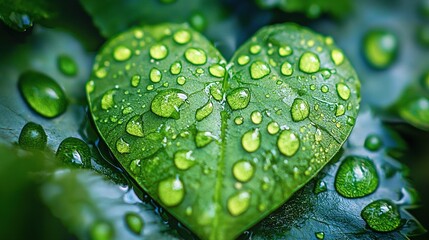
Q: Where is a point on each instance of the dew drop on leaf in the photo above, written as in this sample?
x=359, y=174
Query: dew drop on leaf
x=155, y=75
x=381, y=48
x=204, y=111
x=337, y=56
x=32, y=137
x=256, y=117
x=309, y=62
x=74, y=151
x=343, y=91
x=251, y=140
x=255, y=49
x=273, y=128
x=299, y=110
x=176, y=68
x=320, y=186
x=243, y=60
x=243, y=170
x=373, y=142
x=239, y=98
x=259, y=69
x=67, y=65
x=382, y=216
x=134, y=222
x=121, y=53
x=324, y=89
x=320, y=235
x=202, y=139
x=107, y=100
x=196, y=56
x=181, y=80
x=167, y=103
x=171, y=192
x=288, y=143
x=217, y=70
x=134, y=126
x=285, y=51
x=216, y=93
x=182, y=36
x=158, y=51
x=286, y=69
x=238, y=120
x=183, y=159
x=238, y=203
x=122, y=146
x=135, y=80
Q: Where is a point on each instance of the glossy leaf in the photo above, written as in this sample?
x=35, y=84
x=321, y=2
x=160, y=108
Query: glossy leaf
x=150, y=112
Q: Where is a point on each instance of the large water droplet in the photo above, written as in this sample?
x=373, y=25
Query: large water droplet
x=135, y=127
x=243, y=60
x=107, y=100
x=243, y=170
x=155, y=75
x=101, y=230
x=32, y=137
x=251, y=140
x=217, y=70
x=273, y=128
x=259, y=69
x=286, y=69
x=122, y=146
x=158, y=51
x=343, y=91
x=121, y=53
x=238, y=98
x=285, y=51
x=183, y=159
x=176, y=68
x=288, y=143
x=356, y=177
x=67, y=65
x=299, y=110
x=202, y=139
x=380, y=47
x=204, y=111
x=134, y=222
x=75, y=152
x=171, y=192
x=256, y=117
x=42, y=94
x=337, y=56
x=167, y=103
x=309, y=62
x=196, y=56
x=182, y=37
x=382, y=216
x=238, y=203
x=373, y=142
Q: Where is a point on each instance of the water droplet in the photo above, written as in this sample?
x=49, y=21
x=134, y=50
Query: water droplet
x=122, y=146
x=158, y=51
x=320, y=186
x=238, y=203
x=286, y=69
x=285, y=51
x=202, y=139
x=135, y=166
x=337, y=56
x=135, y=80
x=134, y=222
x=107, y=100
x=382, y=216
x=318, y=135
x=340, y=110
x=181, y=80
x=171, y=192
x=238, y=120
x=32, y=137
x=134, y=126
x=101, y=73
x=243, y=60
x=256, y=117
x=18, y=21
x=182, y=37
x=198, y=21
x=243, y=170
x=299, y=110
x=356, y=177
x=320, y=235
x=343, y=91
x=121, y=53
x=167, y=103
x=196, y=56
x=239, y=98
x=101, y=230
x=216, y=92
x=183, y=159
x=90, y=87
x=350, y=120
x=309, y=62
x=67, y=65
x=380, y=47
x=155, y=75
x=251, y=140
x=373, y=142
x=273, y=128
x=217, y=70
x=176, y=68
x=259, y=69
x=255, y=49
x=42, y=94
x=150, y=87
x=75, y=152
x=288, y=143
x=204, y=111
x=324, y=89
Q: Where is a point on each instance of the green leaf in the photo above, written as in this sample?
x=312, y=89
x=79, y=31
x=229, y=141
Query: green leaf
x=319, y=208
x=247, y=134
x=313, y=8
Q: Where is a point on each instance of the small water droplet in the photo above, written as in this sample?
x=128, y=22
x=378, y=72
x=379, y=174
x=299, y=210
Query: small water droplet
x=122, y=146
x=158, y=51
x=107, y=100
x=286, y=69
x=299, y=110
x=288, y=143
x=243, y=60
x=202, y=139
x=101, y=230
x=135, y=80
x=121, y=53
x=135, y=166
x=324, y=89
x=216, y=92
x=176, y=68
x=196, y=56
x=356, y=177
x=337, y=56
x=134, y=222
x=42, y=94
x=90, y=87
x=204, y=111
x=32, y=137
x=340, y=110
x=343, y=91
x=380, y=47
x=285, y=51
x=101, y=73
x=238, y=203
x=198, y=21
x=320, y=186
x=320, y=235
x=155, y=75
x=256, y=117
x=134, y=126
x=74, y=151
x=182, y=36
x=238, y=120
x=259, y=69
x=183, y=159
x=251, y=140
x=18, y=21
x=255, y=49
x=167, y=103
x=243, y=170
x=238, y=98
x=373, y=142
x=171, y=192
x=350, y=120
x=217, y=70
x=309, y=62
x=273, y=128
x=382, y=216
x=67, y=65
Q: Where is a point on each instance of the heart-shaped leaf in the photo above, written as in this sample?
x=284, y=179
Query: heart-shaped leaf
x=221, y=146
